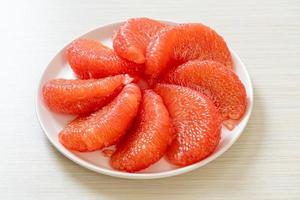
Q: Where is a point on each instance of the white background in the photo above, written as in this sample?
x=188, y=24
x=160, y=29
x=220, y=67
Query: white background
x=263, y=164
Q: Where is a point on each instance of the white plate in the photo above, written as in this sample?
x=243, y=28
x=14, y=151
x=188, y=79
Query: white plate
x=52, y=123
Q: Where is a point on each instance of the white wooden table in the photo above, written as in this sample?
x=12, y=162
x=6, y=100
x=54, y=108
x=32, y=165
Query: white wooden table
x=263, y=164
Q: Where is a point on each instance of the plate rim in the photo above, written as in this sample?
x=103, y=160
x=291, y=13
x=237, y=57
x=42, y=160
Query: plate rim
x=152, y=175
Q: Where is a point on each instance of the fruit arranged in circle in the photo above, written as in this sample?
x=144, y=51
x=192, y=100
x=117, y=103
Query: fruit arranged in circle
x=91, y=59
x=82, y=96
x=133, y=37
x=182, y=43
x=193, y=91
x=216, y=81
x=196, y=122
x=104, y=127
x=147, y=142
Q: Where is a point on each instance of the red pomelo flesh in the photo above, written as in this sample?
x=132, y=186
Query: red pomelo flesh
x=104, y=127
x=79, y=97
x=178, y=44
x=196, y=122
x=133, y=37
x=147, y=142
x=91, y=59
x=216, y=81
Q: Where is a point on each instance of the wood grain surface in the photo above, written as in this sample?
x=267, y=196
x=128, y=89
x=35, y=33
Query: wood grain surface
x=263, y=164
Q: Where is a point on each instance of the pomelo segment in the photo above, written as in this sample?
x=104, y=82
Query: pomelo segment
x=133, y=37
x=79, y=97
x=176, y=45
x=216, y=81
x=91, y=59
x=147, y=142
x=104, y=127
x=196, y=122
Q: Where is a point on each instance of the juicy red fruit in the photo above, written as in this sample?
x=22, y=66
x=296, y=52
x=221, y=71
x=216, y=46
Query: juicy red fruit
x=182, y=43
x=216, y=81
x=91, y=59
x=193, y=91
x=147, y=142
x=133, y=37
x=196, y=123
x=82, y=96
x=104, y=127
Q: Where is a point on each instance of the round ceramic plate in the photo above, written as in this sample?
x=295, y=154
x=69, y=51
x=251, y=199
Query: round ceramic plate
x=52, y=123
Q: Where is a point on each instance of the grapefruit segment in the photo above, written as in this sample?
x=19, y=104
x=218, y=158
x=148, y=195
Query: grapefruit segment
x=132, y=38
x=104, y=127
x=216, y=81
x=196, y=122
x=91, y=59
x=82, y=96
x=147, y=142
x=184, y=42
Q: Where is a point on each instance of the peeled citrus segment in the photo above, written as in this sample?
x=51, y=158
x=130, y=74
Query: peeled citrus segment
x=104, y=127
x=91, y=59
x=196, y=122
x=147, y=142
x=82, y=96
x=183, y=43
x=133, y=37
x=216, y=81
